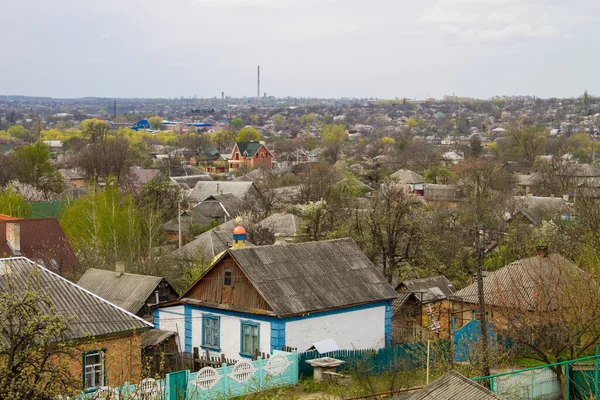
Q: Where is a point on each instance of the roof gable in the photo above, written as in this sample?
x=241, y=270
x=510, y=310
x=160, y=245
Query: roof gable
x=453, y=386
x=89, y=315
x=249, y=149
x=429, y=289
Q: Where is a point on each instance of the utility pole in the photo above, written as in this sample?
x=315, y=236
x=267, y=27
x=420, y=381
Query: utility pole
x=179, y=221
x=485, y=365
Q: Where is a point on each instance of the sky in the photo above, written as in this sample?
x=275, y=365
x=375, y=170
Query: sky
x=306, y=48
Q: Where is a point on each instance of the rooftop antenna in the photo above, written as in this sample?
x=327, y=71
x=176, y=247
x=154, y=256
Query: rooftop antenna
x=258, y=83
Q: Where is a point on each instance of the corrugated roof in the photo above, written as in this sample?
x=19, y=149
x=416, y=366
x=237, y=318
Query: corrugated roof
x=429, y=289
x=210, y=243
x=128, y=291
x=203, y=190
x=453, y=386
x=524, y=284
x=89, y=315
x=282, y=225
x=313, y=276
x=188, y=182
x=153, y=337
x=406, y=176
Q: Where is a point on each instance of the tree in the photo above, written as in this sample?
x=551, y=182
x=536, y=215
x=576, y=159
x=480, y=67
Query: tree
x=103, y=227
x=308, y=119
x=94, y=129
x=388, y=232
x=156, y=123
x=7, y=169
x=32, y=332
x=528, y=142
x=437, y=174
x=13, y=204
x=333, y=137
x=236, y=124
x=278, y=120
x=223, y=140
x=248, y=135
x=19, y=132
x=32, y=165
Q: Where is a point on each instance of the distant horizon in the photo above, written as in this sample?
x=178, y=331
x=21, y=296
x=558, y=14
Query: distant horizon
x=295, y=97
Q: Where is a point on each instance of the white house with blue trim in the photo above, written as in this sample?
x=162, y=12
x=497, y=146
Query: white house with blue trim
x=258, y=299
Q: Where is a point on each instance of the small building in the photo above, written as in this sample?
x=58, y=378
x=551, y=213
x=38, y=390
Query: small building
x=259, y=299
x=137, y=294
x=106, y=338
x=204, y=190
x=285, y=226
x=452, y=386
x=187, y=182
x=252, y=154
x=75, y=179
x=411, y=178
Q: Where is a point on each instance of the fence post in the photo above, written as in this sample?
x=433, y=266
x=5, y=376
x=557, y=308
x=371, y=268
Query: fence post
x=596, y=377
x=567, y=382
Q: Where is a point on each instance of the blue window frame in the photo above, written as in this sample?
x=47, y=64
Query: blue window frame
x=211, y=331
x=249, y=338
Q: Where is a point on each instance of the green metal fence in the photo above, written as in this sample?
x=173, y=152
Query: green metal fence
x=581, y=380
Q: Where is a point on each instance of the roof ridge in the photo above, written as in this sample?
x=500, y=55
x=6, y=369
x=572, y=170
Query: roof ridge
x=344, y=239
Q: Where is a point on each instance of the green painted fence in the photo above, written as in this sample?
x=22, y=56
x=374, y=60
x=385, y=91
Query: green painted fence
x=409, y=356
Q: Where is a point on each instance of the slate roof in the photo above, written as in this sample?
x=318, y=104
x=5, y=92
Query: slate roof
x=128, y=291
x=313, y=276
x=406, y=176
x=154, y=337
x=218, y=206
x=282, y=225
x=88, y=313
x=434, y=192
x=203, y=190
x=189, y=181
x=430, y=289
x=211, y=243
x=453, y=386
x=537, y=209
x=142, y=175
x=523, y=283
x=42, y=240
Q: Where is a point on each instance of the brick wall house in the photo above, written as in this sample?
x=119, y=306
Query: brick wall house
x=252, y=154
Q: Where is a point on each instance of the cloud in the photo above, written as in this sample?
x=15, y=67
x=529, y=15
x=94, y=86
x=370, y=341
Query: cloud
x=178, y=64
x=437, y=15
x=510, y=32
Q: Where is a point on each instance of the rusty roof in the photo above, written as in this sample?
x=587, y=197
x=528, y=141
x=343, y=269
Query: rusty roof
x=88, y=314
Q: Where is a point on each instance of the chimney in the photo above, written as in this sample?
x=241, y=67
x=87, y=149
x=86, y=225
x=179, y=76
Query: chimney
x=217, y=188
x=13, y=236
x=541, y=251
x=239, y=237
x=120, y=268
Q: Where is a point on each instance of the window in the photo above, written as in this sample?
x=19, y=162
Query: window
x=227, y=278
x=262, y=155
x=93, y=369
x=250, y=338
x=210, y=331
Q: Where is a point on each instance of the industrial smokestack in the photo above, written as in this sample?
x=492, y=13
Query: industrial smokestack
x=258, y=83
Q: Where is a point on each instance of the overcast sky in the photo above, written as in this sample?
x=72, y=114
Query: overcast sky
x=321, y=48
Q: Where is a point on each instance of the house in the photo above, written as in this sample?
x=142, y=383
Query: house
x=106, y=337
x=452, y=386
x=442, y=193
x=39, y=239
x=408, y=177
x=419, y=304
x=208, y=245
x=452, y=158
x=204, y=190
x=520, y=285
x=252, y=154
x=258, y=299
x=525, y=183
x=187, y=182
x=217, y=208
x=535, y=210
x=285, y=226
x=75, y=179
x=137, y=294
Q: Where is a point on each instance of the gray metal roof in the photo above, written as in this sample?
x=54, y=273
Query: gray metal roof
x=89, y=315
x=429, y=289
x=203, y=190
x=312, y=276
x=453, y=386
x=189, y=181
x=128, y=291
x=525, y=283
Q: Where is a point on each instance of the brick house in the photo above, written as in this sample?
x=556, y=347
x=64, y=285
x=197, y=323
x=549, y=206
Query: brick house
x=252, y=154
x=107, y=339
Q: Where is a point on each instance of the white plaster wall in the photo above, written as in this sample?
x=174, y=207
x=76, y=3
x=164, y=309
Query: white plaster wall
x=360, y=329
x=172, y=319
x=230, y=331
